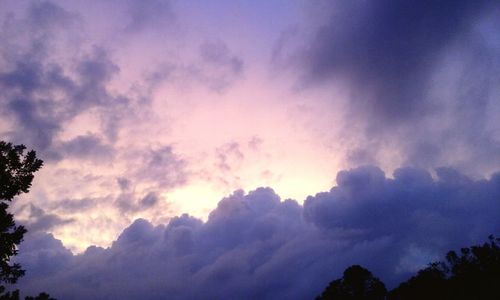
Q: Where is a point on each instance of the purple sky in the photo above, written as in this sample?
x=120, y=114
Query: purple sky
x=148, y=113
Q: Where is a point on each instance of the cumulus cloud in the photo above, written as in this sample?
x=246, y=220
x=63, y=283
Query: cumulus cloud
x=257, y=246
x=46, y=252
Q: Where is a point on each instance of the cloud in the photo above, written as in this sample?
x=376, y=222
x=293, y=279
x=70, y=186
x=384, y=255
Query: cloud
x=86, y=146
x=41, y=97
x=423, y=79
x=149, y=200
x=124, y=183
x=216, y=68
x=132, y=201
x=45, y=14
x=220, y=67
x=46, y=252
x=148, y=14
x=128, y=202
x=418, y=76
x=227, y=155
x=257, y=246
x=39, y=220
x=163, y=167
x=232, y=158
x=44, y=90
x=390, y=48
x=74, y=205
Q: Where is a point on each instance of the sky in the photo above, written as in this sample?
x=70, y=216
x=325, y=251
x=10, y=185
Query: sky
x=207, y=148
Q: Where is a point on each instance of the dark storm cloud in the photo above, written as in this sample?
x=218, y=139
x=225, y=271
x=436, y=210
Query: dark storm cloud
x=46, y=252
x=34, y=126
x=255, y=246
x=389, y=48
x=422, y=76
x=411, y=206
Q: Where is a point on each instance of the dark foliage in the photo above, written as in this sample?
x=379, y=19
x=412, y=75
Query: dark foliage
x=472, y=274
x=357, y=284
x=16, y=170
x=16, y=175
x=10, y=236
x=15, y=296
x=41, y=296
x=429, y=283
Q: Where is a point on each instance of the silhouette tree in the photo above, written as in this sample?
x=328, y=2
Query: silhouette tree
x=429, y=283
x=16, y=175
x=474, y=274
x=357, y=284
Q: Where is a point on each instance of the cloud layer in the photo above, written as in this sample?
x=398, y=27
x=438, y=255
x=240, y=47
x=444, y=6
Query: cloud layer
x=256, y=246
x=419, y=78
x=389, y=49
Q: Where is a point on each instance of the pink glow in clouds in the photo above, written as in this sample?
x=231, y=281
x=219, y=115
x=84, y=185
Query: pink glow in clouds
x=187, y=102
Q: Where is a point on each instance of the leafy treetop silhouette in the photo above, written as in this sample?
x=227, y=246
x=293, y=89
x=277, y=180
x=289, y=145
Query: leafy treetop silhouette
x=16, y=175
x=16, y=170
x=357, y=284
x=472, y=274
